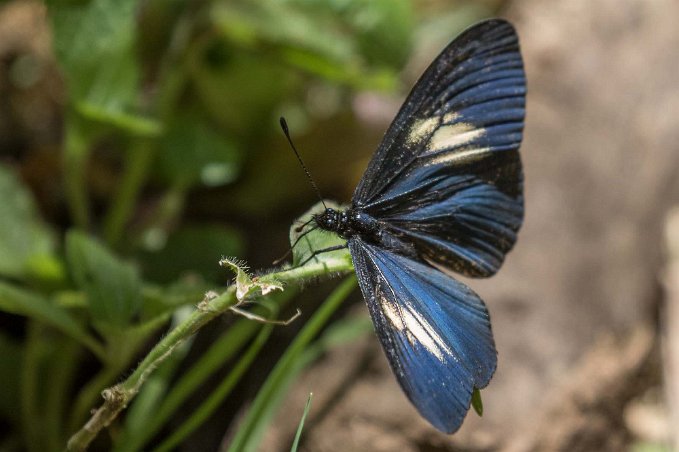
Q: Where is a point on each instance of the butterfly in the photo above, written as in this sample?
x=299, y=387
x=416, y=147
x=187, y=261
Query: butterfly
x=443, y=193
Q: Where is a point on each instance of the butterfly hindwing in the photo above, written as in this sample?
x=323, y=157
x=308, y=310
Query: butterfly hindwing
x=447, y=177
x=435, y=332
x=461, y=222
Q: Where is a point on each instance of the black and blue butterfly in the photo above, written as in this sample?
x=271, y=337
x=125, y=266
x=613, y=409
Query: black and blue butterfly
x=443, y=191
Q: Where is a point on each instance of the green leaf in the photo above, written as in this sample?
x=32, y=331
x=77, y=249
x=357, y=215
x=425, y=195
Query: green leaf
x=437, y=30
x=22, y=302
x=132, y=123
x=24, y=238
x=94, y=42
x=344, y=40
x=346, y=330
x=159, y=300
x=298, y=434
x=61, y=368
x=11, y=354
x=193, y=152
x=383, y=28
x=246, y=286
x=194, y=249
x=238, y=89
x=317, y=239
x=113, y=287
x=477, y=403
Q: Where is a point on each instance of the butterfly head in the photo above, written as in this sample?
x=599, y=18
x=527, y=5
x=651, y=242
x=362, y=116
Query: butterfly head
x=330, y=220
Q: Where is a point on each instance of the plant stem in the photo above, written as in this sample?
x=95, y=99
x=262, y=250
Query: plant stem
x=62, y=366
x=88, y=394
x=76, y=150
x=288, y=366
x=209, y=406
x=138, y=161
x=31, y=421
x=117, y=397
x=220, y=351
x=166, y=212
x=140, y=156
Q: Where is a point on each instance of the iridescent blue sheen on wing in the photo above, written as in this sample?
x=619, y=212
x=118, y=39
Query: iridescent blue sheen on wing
x=435, y=332
x=447, y=177
x=478, y=80
x=459, y=221
x=443, y=190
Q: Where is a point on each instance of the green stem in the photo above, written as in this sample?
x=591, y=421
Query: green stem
x=212, y=403
x=288, y=365
x=120, y=350
x=76, y=151
x=222, y=350
x=117, y=397
x=88, y=395
x=171, y=206
x=167, y=211
x=171, y=83
x=138, y=161
x=61, y=372
x=145, y=410
x=30, y=375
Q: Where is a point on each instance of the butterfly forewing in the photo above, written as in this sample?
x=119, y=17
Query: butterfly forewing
x=476, y=83
x=435, y=332
x=447, y=176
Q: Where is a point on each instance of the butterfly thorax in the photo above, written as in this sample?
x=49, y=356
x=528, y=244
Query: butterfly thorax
x=349, y=223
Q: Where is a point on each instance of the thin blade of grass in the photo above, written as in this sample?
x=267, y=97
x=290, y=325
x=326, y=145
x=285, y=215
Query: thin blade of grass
x=222, y=350
x=292, y=362
x=200, y=415
x=298, y=434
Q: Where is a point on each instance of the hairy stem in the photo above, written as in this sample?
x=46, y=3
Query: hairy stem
x=117, y=397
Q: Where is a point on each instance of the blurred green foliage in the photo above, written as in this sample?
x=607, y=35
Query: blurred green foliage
x=24, y=238
x=163, y=98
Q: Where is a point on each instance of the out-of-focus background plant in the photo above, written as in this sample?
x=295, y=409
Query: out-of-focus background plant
x=139, y=144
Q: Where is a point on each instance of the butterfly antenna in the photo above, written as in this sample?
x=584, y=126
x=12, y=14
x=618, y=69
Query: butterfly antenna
x=284, y=126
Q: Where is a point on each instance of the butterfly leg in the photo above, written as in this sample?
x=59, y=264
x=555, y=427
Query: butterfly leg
x=280, y=259
x=313, y=256
x=324, y=250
